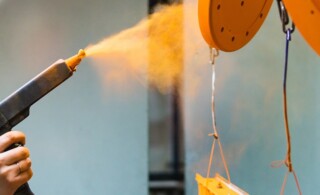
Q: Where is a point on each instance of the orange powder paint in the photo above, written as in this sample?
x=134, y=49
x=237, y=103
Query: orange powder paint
x=152, y=49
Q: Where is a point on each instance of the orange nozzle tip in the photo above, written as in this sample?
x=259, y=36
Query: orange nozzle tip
x=74, y=61
x=81, y=53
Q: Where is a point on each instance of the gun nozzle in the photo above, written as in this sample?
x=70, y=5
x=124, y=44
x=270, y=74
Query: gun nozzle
x=81, y=53
x=74, y=61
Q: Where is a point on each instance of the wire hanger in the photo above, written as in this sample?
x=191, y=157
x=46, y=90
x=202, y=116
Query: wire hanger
x=287, y=161
x=214, y=53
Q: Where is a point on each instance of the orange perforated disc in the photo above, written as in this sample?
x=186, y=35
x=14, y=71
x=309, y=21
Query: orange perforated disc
x=306, y=16
x=228, y=25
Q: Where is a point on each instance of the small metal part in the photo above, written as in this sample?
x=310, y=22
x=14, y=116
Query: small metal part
x=284, y=17
x=214, y=53
x=74, y=61
x=283, y=13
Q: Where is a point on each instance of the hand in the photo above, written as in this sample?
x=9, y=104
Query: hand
x=15, y=164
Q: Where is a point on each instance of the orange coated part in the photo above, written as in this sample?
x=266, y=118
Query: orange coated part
x=306, y=16
x=228, y=25
x=217, y=186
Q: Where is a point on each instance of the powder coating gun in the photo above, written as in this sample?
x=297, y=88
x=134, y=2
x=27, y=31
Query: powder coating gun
x=15, y=107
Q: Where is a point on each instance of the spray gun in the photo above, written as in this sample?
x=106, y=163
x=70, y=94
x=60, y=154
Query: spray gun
x=15, y=107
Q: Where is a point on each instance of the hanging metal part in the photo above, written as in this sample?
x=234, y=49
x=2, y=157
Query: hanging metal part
x=306, y=16
x=228, y=25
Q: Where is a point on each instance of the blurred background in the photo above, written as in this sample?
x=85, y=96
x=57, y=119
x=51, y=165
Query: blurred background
x=90, y=137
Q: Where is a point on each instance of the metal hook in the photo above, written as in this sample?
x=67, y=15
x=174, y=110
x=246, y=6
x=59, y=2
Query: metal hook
x=284, y=18
x=213, y=54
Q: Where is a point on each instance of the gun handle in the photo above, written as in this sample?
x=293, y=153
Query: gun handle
x=24, y=190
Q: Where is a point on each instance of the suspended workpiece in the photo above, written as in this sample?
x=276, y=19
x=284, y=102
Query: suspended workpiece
x=306, y=16
x=228, y=25
x=217, y=186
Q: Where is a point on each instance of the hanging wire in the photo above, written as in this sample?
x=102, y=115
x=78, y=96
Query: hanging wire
x=213, y=54
x=288, y=162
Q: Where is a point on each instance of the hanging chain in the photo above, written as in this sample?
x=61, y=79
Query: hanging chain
x=214, y=53
x=288, y=31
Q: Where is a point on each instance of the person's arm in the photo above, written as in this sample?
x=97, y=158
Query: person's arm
x=15, y=164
